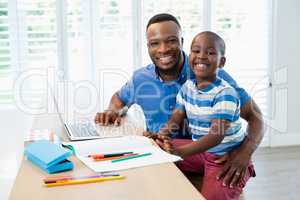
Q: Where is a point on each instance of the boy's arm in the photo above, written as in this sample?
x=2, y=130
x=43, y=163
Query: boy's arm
x=237, y=161
x=171, y=126
x=174, y=123
x=213, y=138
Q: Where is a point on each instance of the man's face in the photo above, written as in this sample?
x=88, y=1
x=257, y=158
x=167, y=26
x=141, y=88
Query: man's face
x=205, y=57
x=164, y=44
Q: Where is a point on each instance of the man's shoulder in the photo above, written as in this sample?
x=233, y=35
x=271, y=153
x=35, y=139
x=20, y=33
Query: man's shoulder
x=148, y=70
x=146, y=73
x=226, y=89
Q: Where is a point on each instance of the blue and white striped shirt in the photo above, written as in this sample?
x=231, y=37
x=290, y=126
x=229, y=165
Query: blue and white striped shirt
x=217, y=101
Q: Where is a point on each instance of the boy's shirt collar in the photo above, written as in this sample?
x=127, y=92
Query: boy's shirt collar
x=207, y=89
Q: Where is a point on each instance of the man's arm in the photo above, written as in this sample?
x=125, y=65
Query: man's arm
x=238, y=160
x=124, y=97
x=113, y=114
x=252, y=114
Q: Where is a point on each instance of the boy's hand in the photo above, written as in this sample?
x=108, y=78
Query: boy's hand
x=164, y=142
x=150, y=135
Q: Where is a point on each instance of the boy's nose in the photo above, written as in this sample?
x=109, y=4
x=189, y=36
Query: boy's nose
x=202, y=55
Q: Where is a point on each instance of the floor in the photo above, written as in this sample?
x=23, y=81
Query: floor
x=278, y=174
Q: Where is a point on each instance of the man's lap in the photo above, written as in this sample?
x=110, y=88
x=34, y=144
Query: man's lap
x=203, y=163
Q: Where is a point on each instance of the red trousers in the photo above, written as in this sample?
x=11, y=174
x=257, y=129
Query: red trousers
x=212, y=189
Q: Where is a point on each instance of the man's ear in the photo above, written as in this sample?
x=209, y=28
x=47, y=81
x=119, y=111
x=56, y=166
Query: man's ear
x=222, y=62
x=182, y=42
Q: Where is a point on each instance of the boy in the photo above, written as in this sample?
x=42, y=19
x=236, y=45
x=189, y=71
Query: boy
x=212, y=108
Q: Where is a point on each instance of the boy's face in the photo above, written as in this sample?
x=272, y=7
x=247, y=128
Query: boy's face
x=205, y=57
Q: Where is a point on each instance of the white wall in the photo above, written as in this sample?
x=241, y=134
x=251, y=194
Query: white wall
x=286, y=72
x=14, y=125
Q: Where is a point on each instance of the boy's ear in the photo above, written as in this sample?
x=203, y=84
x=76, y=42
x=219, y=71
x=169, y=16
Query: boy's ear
x=222, y=62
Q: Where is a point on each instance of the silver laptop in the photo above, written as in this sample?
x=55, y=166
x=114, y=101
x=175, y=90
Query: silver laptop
x=80, y=130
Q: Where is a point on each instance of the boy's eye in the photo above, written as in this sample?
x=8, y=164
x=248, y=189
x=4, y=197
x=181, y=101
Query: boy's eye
x=211, y=53
x=195, y=50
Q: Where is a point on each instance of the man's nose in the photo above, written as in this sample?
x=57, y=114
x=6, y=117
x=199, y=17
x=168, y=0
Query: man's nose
x=163, y=47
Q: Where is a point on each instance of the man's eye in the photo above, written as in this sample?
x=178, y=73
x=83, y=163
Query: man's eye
x=172, y=40
x=153, y=44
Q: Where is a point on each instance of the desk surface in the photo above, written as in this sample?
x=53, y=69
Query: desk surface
x=163, y=181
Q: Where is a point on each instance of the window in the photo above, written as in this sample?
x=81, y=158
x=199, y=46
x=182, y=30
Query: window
x=6, y=76
x=189, y=14
x=37, y=45
x=240, y=23
x=103, y=41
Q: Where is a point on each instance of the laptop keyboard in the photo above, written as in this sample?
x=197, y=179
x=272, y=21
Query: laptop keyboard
x=83, y=129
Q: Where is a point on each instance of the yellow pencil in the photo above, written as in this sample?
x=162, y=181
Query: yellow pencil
x=83, y=181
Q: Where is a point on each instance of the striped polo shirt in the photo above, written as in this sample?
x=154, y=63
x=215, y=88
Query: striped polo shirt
x=217, y=101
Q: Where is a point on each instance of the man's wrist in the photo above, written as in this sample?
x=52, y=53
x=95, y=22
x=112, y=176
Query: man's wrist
x=120, y=112
x=249, y=146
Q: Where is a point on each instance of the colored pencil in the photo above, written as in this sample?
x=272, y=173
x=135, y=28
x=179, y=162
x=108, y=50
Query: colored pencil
x=83, y=181
x=131, y=157
x=64, y=178
x=109, y=155
x=116, y=157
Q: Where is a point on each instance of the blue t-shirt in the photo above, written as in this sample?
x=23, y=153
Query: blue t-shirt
x=217, y=101
x=158, y=98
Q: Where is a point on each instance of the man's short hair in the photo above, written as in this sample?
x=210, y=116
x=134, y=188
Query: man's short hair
x=162, y=17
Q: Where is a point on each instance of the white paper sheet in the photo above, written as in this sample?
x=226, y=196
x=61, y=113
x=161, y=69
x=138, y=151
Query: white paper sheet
x=136, y=144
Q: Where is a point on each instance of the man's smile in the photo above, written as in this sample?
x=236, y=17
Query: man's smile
x=165, y=59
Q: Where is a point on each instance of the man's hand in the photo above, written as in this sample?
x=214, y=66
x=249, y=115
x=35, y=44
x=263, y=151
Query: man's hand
x=108, y=117
x=234, y=170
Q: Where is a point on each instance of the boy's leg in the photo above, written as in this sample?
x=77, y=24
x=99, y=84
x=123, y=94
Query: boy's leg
x=212, y=189
x=191, y=164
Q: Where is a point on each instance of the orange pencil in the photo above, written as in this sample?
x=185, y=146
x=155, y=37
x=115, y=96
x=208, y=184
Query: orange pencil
x=112, y=158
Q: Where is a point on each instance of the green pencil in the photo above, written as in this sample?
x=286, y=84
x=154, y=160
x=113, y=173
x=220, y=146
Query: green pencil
x=131, y=157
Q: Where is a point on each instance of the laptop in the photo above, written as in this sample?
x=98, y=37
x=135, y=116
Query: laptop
x=80, y=129
x=86, y=129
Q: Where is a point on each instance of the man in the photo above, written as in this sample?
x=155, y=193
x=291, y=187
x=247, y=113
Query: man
x=155, y=87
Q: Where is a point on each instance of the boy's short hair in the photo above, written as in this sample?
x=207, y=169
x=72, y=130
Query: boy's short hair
x=162, y=17
x=217, y=38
